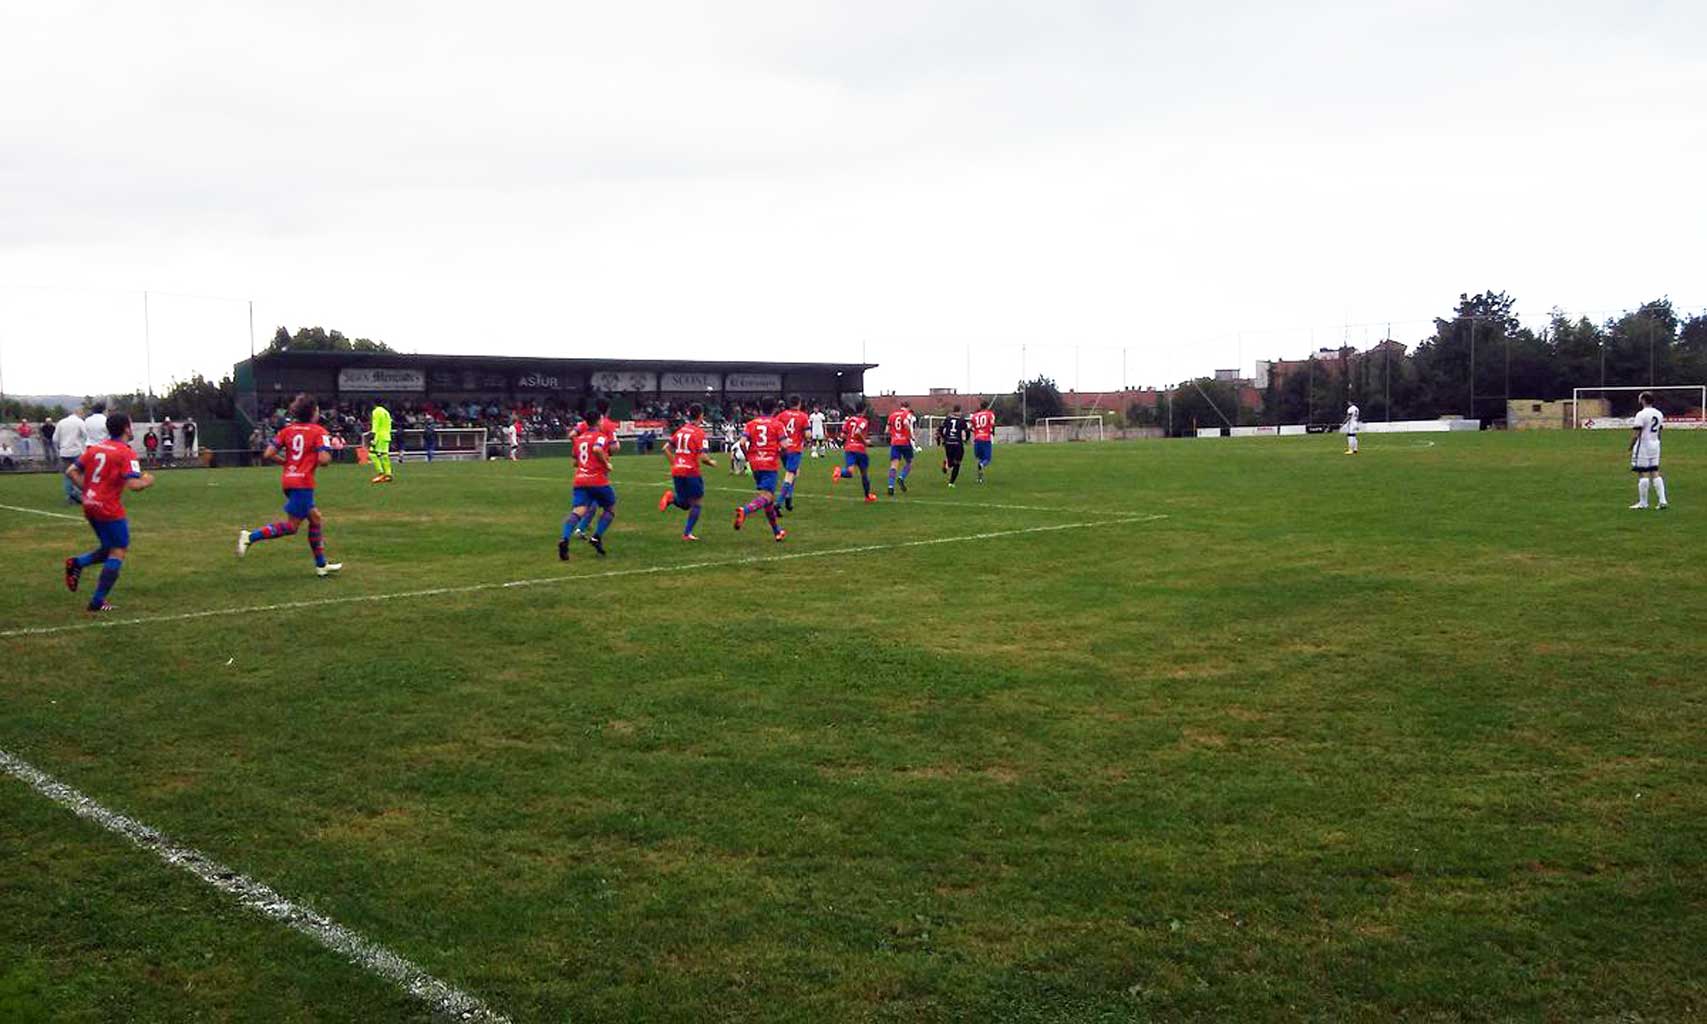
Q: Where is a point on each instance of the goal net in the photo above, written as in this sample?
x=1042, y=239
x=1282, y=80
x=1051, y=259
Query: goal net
x=1072, y=428
x=451, y=443
x=1684, y=406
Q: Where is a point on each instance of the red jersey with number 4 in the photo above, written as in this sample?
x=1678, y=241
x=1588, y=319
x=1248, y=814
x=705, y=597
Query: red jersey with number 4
x=764, y=443
x=854, y=429
x=300, y=445
x=984, y=425
x=592, y=468
x=793, y=422
x=686, y=445
x=901, y=427
x=106, y=466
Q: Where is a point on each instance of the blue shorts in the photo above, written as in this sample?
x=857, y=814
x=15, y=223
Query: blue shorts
x=981, y=452
x=689, y=487
x=904, y=452
x=860, y=459
x=791, y=461
x=764, y=480
x=604, y=497
x=112, y=533
x=298, y=502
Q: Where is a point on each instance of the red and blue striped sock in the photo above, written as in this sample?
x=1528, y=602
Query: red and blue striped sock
x=317, y=543
x=270, y=531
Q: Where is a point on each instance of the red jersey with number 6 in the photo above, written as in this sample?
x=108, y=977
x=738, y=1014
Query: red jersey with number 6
x=984, y=425
x=686, y=445
x=591, y=466
x=854, y=429
x=106, y=466
x=901, y=427
x=300, y=445
x=764, y=441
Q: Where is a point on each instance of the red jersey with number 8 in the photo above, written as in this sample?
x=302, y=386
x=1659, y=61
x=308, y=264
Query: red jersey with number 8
x=300, y=445
x=764, y=441
x=591, y=468
x=106, y=466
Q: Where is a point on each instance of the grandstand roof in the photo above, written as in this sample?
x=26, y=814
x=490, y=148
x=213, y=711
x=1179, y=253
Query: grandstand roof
x=338, y=359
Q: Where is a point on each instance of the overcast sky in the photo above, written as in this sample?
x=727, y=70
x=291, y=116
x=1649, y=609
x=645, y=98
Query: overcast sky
x=1199, y=185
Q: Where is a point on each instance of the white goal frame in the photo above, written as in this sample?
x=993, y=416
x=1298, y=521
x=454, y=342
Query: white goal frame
x=1581, y=422
x=455, y=443
x=1048, y=421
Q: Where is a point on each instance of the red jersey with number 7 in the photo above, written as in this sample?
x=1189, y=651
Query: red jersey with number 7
x=686, y=445
x=764, y=442
x=300, y=445
x=106, y=466
x=854, y=429
x=984, y=425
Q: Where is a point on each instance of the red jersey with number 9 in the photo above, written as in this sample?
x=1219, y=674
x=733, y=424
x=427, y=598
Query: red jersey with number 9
x=764, y=441
x=686, y=445
x=300, y=445
x=106, y=466
x=854, y=429
x=591, y=469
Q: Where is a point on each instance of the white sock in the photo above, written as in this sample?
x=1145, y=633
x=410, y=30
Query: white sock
x=1353, y=442
x=1642, y=490
x=1660, y=488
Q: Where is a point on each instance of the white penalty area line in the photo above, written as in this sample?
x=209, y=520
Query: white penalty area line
x=654, y=570
x=39, y=512
x=445, y=1000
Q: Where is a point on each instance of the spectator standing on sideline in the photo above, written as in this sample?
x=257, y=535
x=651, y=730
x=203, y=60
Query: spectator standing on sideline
x=168, y=443
x=68, y=435
x=26, y=430
x=48, y=451
x=430, y=438
x=95, y=425
x=189, y=437
x=150, y=444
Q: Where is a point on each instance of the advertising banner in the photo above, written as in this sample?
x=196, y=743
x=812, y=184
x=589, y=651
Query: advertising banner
x=690, y=382
x=755, y=382
x=625, y=380
x=379, y=379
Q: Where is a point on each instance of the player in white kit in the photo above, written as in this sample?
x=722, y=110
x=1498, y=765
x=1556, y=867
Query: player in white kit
x=1349, y=429
x=1645, y=453
x=815, y=431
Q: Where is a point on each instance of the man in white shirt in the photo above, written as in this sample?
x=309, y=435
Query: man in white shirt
x=815, y=430
x=1645, y=453
x=95, y=426
x=68, y=436
x=1349, y=429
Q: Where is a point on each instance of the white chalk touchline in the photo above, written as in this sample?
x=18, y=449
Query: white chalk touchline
x=445, y=1000
x=473, y=588
x=39, y=512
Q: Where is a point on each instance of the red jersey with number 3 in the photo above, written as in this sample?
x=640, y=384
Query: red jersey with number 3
x=591, y=467
x=300, y=445
x=106, y=466
x=984, y=425
x=686, y=445
x=764, y=443
x=854, y=429
x=901, y=427
x=793, y=423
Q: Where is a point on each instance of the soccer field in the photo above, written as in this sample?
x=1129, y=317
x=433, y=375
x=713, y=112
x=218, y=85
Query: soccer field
x=1233, y=730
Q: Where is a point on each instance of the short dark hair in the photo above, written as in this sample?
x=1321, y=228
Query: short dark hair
x=98, y=407
x=1647, y=398
x=767, y=406
x=695, y=411
x=983, y=403
x=957, y=407
x=794, y=401
x=303, y=407
x=117, y=424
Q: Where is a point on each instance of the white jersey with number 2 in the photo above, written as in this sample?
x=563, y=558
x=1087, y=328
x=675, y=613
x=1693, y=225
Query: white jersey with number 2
x=1351, y=419
x=1646, y=451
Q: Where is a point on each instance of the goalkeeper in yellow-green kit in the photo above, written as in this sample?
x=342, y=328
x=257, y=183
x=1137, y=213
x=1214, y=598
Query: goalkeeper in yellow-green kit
x=379, y=443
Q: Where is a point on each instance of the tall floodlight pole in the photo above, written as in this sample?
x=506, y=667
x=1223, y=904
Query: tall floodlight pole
x=251, y=329
x=1387, y=369
x=1472, y=413
x=147, y=356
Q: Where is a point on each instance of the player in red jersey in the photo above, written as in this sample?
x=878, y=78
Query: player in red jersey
x=900, y=427
x=687, y=449
x=854, y=454
x=103, y=473
x=607, y=426
x=764, y=452
x=983, y=435
x=591, y=451
x=793, y=421
x=302, y=447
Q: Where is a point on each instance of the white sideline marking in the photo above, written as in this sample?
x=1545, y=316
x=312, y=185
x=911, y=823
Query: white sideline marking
x=473, y=588
x=445, y=1000
x=39, y=512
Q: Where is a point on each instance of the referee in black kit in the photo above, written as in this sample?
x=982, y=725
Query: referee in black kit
x=952, y=435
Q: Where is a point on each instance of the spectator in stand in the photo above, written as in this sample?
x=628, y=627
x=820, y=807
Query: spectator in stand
x=257, y=444
x=48, y=451
x=95, y=425
x=7, y=459
x=190, y=437
x=68, y=437
x=150, y=445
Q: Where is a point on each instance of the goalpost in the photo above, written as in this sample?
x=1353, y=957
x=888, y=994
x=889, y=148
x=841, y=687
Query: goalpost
x=455, y=443
x=1072, y=428
x=1684, y=406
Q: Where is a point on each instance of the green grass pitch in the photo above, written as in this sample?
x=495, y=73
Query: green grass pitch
x=1269, y=733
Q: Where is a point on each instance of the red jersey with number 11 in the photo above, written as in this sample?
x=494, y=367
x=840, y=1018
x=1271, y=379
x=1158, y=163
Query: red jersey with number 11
x=686, y=445
x=300, y=445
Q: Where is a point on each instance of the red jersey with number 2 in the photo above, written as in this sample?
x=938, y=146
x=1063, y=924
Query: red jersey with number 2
x=106, y=466
x=764, y=442
x=300, y=445
x=983, y=425
x=591, y=467
x=900, y=427
x=686, y=445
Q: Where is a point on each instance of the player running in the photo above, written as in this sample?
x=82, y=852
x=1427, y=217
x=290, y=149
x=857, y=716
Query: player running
x=607, y=426
x=379, y=447
x=793, y=422
x=301, y=448
x=763, y=435
x=103, y=473
x=952, y=435
x=815, y=431
x=983, y=436
x=1645, y=452
x=854, y=455
x=900, y=427
x=592, y=491
x=687, y=449
x=1349, y=428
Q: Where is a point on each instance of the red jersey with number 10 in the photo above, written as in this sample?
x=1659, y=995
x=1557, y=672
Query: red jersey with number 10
x=854, y=429
x=901, y=427
x=300, y=445
x=106, y=466
x=591, y=466
x=793, y=424
x=686, y=445
x=764, y=442
x=984, y=425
